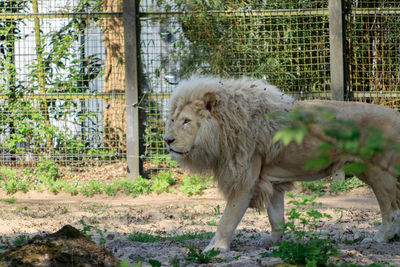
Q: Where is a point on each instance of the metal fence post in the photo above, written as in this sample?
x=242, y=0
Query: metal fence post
x=337, y=49
x=132, y=88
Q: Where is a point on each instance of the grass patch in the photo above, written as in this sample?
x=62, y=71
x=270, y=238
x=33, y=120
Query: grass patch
x=196, y=256
x=9, y=200
x=314, y=186
x=46, y=177
x=149, y=238
x=346, y=185
x=212, y=223
x=21, y=240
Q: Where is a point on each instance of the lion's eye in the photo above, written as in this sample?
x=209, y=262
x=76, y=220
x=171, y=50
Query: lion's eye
x=185, y=122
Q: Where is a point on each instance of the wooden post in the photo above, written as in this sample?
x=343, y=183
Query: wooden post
x=132, y=88
x=337, y=49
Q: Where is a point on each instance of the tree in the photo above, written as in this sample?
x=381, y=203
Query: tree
x=114, y=78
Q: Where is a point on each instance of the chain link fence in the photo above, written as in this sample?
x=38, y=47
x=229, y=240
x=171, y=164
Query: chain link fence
x=62, y=67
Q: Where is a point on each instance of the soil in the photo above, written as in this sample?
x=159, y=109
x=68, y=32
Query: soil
x=66, y=247
x=354, y=214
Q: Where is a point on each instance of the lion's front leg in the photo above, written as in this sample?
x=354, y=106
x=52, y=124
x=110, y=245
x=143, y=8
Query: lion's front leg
x=233, y=213
x=236, y=206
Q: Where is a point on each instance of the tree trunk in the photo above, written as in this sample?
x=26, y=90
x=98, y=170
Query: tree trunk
x=114, y=78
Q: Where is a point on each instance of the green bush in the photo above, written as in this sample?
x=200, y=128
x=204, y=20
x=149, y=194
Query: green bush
x=7, y=173
x=304, y=245
x=192, y=185
x=162, y=181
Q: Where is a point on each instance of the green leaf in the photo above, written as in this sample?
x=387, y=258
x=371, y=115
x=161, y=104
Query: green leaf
x=354, y=168
x=325, y=147
x=318, y=162
x=154, y=263
x=287, y=135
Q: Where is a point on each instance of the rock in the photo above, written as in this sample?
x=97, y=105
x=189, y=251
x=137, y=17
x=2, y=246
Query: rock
x=66, y=247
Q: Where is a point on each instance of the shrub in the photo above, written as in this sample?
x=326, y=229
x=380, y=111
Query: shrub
x=192, y=185
x=162, y=181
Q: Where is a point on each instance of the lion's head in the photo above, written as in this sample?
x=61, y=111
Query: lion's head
x=191, y=131
x=217, y=124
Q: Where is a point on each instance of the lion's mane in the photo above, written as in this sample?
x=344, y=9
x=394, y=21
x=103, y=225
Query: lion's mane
x=238, y=129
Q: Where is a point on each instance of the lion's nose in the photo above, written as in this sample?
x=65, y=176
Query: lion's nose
x=169, y=140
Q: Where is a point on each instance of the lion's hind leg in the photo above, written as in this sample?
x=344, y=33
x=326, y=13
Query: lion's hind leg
x=276, y=213
x=385, y=187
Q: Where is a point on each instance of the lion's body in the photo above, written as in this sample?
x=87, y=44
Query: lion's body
x=220, y=125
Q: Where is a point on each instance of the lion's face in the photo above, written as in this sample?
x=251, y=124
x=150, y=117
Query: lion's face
x=191, y=133
x=181, y=131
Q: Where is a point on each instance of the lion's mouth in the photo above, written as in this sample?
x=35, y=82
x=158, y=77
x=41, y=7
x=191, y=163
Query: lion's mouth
x=177, y=152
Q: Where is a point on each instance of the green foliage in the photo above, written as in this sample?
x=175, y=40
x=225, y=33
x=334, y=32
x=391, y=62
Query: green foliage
x=196, y=256
x=14, y=185
x=212, y=223
x=339, y=137
x=88, y=228
x=48, y=169
x=9, y=200
x=286, y=135
x=7, y=173
x=45, y=177
x=92, y=188
x=175, y=262
x=288, y=50
x=63, y=65
x=307, y=246
x=148, y=238
x=133, y=187
x=154, y=263
x=217, y=210
x=345, y=185
x=125, y=263
x=163, y=161
x=162, y=181
x=192, y=185
x=21, y=240
x=315, y=186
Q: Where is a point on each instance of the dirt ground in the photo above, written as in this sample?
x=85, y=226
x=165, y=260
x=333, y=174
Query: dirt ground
x=355, y=215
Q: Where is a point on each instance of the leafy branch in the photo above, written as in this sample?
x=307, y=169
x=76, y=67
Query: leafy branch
x=338, y=137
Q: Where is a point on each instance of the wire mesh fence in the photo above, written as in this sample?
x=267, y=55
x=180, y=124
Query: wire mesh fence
x=62, y=66
x=62, y=83
x=286, y=42
x=373, y=40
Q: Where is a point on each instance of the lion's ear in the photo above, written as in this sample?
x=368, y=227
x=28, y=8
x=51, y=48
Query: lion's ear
x=209, y=101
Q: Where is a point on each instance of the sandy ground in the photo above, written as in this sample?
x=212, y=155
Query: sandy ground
x=355, y=215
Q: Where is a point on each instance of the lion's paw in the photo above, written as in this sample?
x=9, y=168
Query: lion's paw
x=217, y=245
x=268, y=240
x=368, y=240
x=379, y=238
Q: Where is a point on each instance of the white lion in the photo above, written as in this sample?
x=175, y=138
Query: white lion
x=219, y=125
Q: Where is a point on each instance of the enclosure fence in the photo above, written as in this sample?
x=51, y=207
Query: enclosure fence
x=65, y=93
x=304, y=47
